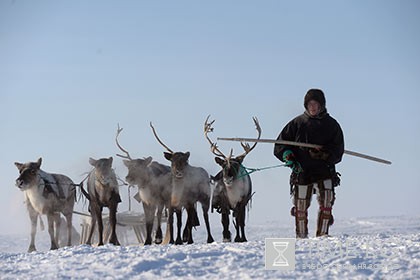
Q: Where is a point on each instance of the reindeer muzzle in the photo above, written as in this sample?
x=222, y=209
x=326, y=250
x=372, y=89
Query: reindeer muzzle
x=228, y=181
x=19, y=183
x=178, y=174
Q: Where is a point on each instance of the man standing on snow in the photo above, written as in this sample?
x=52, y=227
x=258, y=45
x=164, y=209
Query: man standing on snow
x=313, y=170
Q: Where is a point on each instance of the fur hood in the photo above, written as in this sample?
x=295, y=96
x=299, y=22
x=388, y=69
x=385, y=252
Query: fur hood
x=317, y=95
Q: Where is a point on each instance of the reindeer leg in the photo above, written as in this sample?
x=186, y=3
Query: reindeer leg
x=159, y=236
x=98, y=213
x=225, y=222
x=92, y=228
x=113, y=223
x=69, y=219
x=94, y=216
x=242, y=223
x=178, y=240
x=56, y=228
x=171, y=225
x=236, y=214
x=187, y=233
x=205, y=207
x=51, y=218
x=149, y=212
x=33, y=215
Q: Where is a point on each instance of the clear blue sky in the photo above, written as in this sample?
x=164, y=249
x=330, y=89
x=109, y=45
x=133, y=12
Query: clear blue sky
x=71, y=70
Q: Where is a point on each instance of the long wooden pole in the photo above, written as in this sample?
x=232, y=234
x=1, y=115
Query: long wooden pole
x=300, y=144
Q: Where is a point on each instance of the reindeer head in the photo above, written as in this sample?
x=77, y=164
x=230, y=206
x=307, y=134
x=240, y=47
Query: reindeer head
x=140, y=171
x=179, y=160
x=103, y=171
x=137, y=170
x=29, y=174
x=231, y=167
x=136, y=167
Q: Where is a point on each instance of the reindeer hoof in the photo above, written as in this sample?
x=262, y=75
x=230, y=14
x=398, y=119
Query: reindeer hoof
x=210, y=239
x=31, y=249
x=185, y=236
x=148, y=242
x=158, y=237
x=158, y=240
x=227, y=237
x=240, y=239
x=178, y=241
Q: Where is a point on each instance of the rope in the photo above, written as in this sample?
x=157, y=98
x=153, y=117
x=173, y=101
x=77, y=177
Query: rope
x=244, y=171
x=296, y=167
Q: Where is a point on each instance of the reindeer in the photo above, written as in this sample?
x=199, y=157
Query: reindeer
x=154, y=183
x=102, y=192
x=49, y=194
x=233, y=188
x=189, y=185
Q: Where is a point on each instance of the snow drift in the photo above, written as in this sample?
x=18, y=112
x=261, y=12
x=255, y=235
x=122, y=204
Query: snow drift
x=362, y=248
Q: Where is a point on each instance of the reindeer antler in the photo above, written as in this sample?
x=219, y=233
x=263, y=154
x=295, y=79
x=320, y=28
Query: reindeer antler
x=246, y=146
x=119, y=146
x=213, y=146
x=157, y=138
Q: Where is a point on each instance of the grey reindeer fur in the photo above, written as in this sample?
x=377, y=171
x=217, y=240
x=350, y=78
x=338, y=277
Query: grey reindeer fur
x=190, y=185
x=233, y=186
x=41, y=190
x=154, y=184
x=103, y=191
x=232, y=194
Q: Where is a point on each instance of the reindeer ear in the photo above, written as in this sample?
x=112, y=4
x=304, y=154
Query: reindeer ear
x=219, y=161
x=19, y=165
x=240, y=159
x=148, y=160
x=92, y=161
x=168, y=156
x=39, y=162
x=110, y=159
x=187, y=155
x=126, y=162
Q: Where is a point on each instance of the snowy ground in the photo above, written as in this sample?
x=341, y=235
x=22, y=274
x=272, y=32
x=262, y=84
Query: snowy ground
x=364, y=248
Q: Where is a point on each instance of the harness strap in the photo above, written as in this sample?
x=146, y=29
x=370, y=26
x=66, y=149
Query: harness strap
x=248, y=170
x=48, y=188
